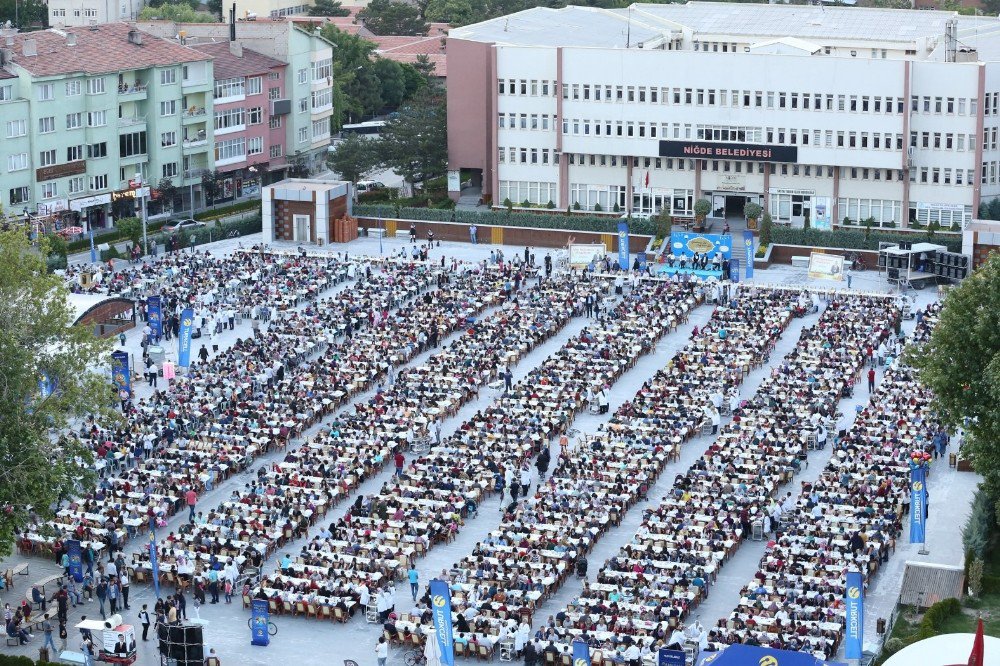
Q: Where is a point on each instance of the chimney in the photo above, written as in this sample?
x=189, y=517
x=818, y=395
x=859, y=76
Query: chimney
x=30, y=47
x=236, y=48
x=232, y=23
x=70, y=39
x=135, y=37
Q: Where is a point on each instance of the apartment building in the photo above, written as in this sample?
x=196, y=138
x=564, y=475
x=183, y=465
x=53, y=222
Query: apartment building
x=249, y=112
x=308, y=83
x=90, y=114
x=82, y=13
x=818, y=113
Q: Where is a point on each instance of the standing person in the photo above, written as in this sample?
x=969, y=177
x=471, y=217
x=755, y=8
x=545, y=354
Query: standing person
x=525, y=479
x=102, y=593
x=399, y=460
x=203, y=354
x=213, y=585
x=414, y=582
x=124, y=585
x=114, y=593
x=47, y=632
x=542, y=463
x=144, y=621
x=191, y=497
x=871, y=379
x=508, y=378
x=382, y=651
x=473, y=232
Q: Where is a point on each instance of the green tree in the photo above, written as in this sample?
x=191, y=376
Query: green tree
x=388, y=17
x=766, y=229
x=961, y=365
x=392, y=82
x=215, y=8
x=702, y=207
x=455, y=12
x=424, y=66
x=355, y=158
x=179, y=12
x=328, y=8
x=414, y=144
x=131, y=228
x=355, y=83
x=24, y=13
x=38, y=341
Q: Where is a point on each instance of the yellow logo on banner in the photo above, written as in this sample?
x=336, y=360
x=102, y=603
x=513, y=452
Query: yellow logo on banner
x=918, y=486
x=700, y=244
x=580, y=662
x=187, y=322
x=853, y=593
x=769, y=660
x=438, y=600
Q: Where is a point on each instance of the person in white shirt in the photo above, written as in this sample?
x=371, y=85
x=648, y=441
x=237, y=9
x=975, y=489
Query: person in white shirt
x=633, y=655
x=382, y=651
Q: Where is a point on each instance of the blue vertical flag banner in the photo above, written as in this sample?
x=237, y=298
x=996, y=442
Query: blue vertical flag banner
x=643, y=260
x=120, y=375
x=918, y=503
x=154, y=316
x=184, y=339
x=154, y=561
x=748, y=248
x=93, y=252
x=75, y=560
x=441, y=610
x=45, y=386
x=581, y=653
x=623, y=252
x=667, y=657
x=854, y=602
x=260, y=617
x=734, y=270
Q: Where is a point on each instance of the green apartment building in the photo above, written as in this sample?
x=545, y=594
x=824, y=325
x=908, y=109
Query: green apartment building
x=93, y=116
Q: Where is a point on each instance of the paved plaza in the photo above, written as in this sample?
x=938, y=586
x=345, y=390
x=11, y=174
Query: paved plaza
x=308, y=641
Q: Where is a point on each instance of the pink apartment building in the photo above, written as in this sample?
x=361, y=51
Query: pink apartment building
x=248, y=128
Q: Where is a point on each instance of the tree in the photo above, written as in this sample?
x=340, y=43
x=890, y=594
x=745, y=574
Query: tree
x=766, y=229
x=328, y=8
x=414, y=144
x=961, y=365
x=455, y=12
x=387, y=17
x=211, y=184
x=702, y=207
x=179, y=12
x=215, y=8
x=168, y=192
x=392, y=82
x=355, y=158
x=131, y=228
x=424, y=65
x=24, y=13
x=39, y=344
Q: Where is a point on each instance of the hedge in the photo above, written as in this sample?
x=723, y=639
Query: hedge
x=855, y=240
x=223, y=211
x=935, y=617
x=213, y=232
x=113, y=236
x=595, y=223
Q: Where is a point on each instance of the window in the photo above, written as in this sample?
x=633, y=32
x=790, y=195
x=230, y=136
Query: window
x=170, y=170
x=255, y=145
x=99, y=182
x=254, y=85
x=16, y=128
x=168, y=139
x=303, y=134
x=97, y=150
x=231, y=149
x=74, y=153
x=274, y=122
x=322, y=99
x=19, y=195
x=49, y=190
x=47, y=158
x=168, y=76
x=46, y=91
x=132, y=144
x=76, y=185
x=58, y=13
x=95, y=86
x=302, y=76
x=273, y=76
x=46, y=124
x=168, y=107
x=322, y=69
x=230, y=119
x=90, y=12
x=233, y=87
x=17, y=162
x=74, y=120
x=274, y=93
x=320, y=128
x=255, y=116
x=73, y=88
x=303, y=104
x=275, y=151
x=97, y=118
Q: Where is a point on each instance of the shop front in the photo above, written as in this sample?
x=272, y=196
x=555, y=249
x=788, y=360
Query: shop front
x=93, y=211
x=237, y=184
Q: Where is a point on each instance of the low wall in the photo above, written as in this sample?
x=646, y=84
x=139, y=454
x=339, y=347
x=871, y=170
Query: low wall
x=782, y=254
x=501, y=235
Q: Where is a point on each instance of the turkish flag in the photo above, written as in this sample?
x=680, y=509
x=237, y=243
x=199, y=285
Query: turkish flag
x=976, y=658
x=647, y=179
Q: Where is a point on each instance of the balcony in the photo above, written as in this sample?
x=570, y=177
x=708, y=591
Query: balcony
x=201, y=84
x=132, y=92
x=131, y=121
x=194, y=174
x=193, y=114
x=195, y=145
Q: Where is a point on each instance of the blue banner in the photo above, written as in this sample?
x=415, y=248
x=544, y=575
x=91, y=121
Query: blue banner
x=686, y=244
x=75, y=560
x=93, y=252
x=441, y=609
x=854, y=601
x=918, y=503
x=184, y=339
x=154, y=316
x=667, y=657
x=120, y=375
x=623, y=246
x=748, y=249
x=260, y=617
x=154, y=561
x=643, y=260
x=45, y=386
x=581, y=653
x=734, y=270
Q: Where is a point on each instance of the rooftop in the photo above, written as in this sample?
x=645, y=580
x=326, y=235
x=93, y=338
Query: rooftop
x=228, y=65
x=99, y=49
x=585, y=26
x=403, y=48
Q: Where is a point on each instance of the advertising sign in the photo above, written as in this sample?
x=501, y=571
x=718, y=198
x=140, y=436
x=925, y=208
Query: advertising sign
x=826, y=266
x=580, y=255
x=708, y=150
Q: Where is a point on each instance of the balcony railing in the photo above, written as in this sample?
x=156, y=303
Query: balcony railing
x=131, y=88
x=195, y=173
x=131, y=120
x=193, y=112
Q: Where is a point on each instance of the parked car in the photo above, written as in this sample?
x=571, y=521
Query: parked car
x=363, y=186
x=183, y=225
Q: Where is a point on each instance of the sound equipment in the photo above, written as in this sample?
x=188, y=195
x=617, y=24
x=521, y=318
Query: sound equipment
x=182, y=645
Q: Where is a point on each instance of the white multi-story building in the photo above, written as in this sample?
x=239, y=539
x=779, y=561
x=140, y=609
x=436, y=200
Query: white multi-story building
x=76, y=13
x=814, y=112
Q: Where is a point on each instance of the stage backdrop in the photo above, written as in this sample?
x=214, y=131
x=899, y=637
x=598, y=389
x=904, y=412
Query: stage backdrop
x=683, y=243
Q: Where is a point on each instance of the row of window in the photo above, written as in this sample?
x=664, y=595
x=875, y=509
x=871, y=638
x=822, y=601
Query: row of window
x=991, y=104
x=527, y=155
x=534, y=192
x=991, y=174
x=526, y=87
x=87, y=12
x=50, y=189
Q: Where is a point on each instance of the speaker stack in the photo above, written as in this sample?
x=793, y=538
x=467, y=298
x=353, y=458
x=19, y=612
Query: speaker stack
x=181, y=645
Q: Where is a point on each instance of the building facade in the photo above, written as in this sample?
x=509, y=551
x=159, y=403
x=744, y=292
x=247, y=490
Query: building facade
x=308, y=84
x=818, y=114
x=92, y=116
x=80, y=13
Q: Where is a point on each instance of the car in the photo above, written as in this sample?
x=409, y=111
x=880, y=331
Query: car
x=183, y=225
x=368, y=185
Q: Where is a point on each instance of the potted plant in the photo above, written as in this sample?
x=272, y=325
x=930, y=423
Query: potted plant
x=752, y=211
x=597, y=208
x=702, y=207
x=508, y=204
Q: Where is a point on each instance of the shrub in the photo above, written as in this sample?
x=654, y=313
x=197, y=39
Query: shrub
x=576, y=205
x=601, y=224
x=550, y=205
x=976, y=534
x=223, y=211
x=110, y=253
x=752, y=210
x=766, y=229
x=976, y=577
x=702, y=207
x=525, y=204
x=892, y=646
x=849, y=238
x=597, y=208
x=936, y=616
x=508, y=204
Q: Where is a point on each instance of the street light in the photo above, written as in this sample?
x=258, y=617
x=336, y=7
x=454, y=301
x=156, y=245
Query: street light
x=145, y=241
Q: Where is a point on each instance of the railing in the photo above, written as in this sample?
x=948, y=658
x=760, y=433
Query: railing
x=193, y=112
x=194, y=173
x=132, y=120
x=126, y=89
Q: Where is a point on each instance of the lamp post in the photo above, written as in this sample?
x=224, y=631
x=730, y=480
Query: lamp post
x=142, y=197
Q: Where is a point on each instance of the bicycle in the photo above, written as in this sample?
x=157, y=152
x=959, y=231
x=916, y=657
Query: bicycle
x=415, y=657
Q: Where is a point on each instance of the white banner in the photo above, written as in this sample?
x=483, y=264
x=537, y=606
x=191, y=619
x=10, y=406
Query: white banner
x=826, y=266
x=582, y=255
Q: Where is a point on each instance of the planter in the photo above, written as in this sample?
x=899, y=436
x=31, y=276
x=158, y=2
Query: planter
x=765, y=261
x=752, y=224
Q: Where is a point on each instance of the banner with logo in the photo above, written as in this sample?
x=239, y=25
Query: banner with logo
x=623, y=246
x=260, y=617
x=154, y=316
x=643, y=260
x=748, y=252
x=441, y=609
x=75, y=560
x=184, y=338
x=581, y=653
x=734, y=270
x=667, y=657
x=93, y=252
x=154, y=561
x=120, y=375
x=918, y=503
x=686, y=244
x=45, y=385
x=854, y=601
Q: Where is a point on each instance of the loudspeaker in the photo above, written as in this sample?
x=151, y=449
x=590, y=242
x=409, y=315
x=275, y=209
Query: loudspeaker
x=195, y=653
x=163, y=635
x=193, y=635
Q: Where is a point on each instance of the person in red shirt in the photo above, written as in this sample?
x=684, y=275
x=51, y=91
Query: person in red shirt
x=192, y=498
x=871, y=379
x=399, y=460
